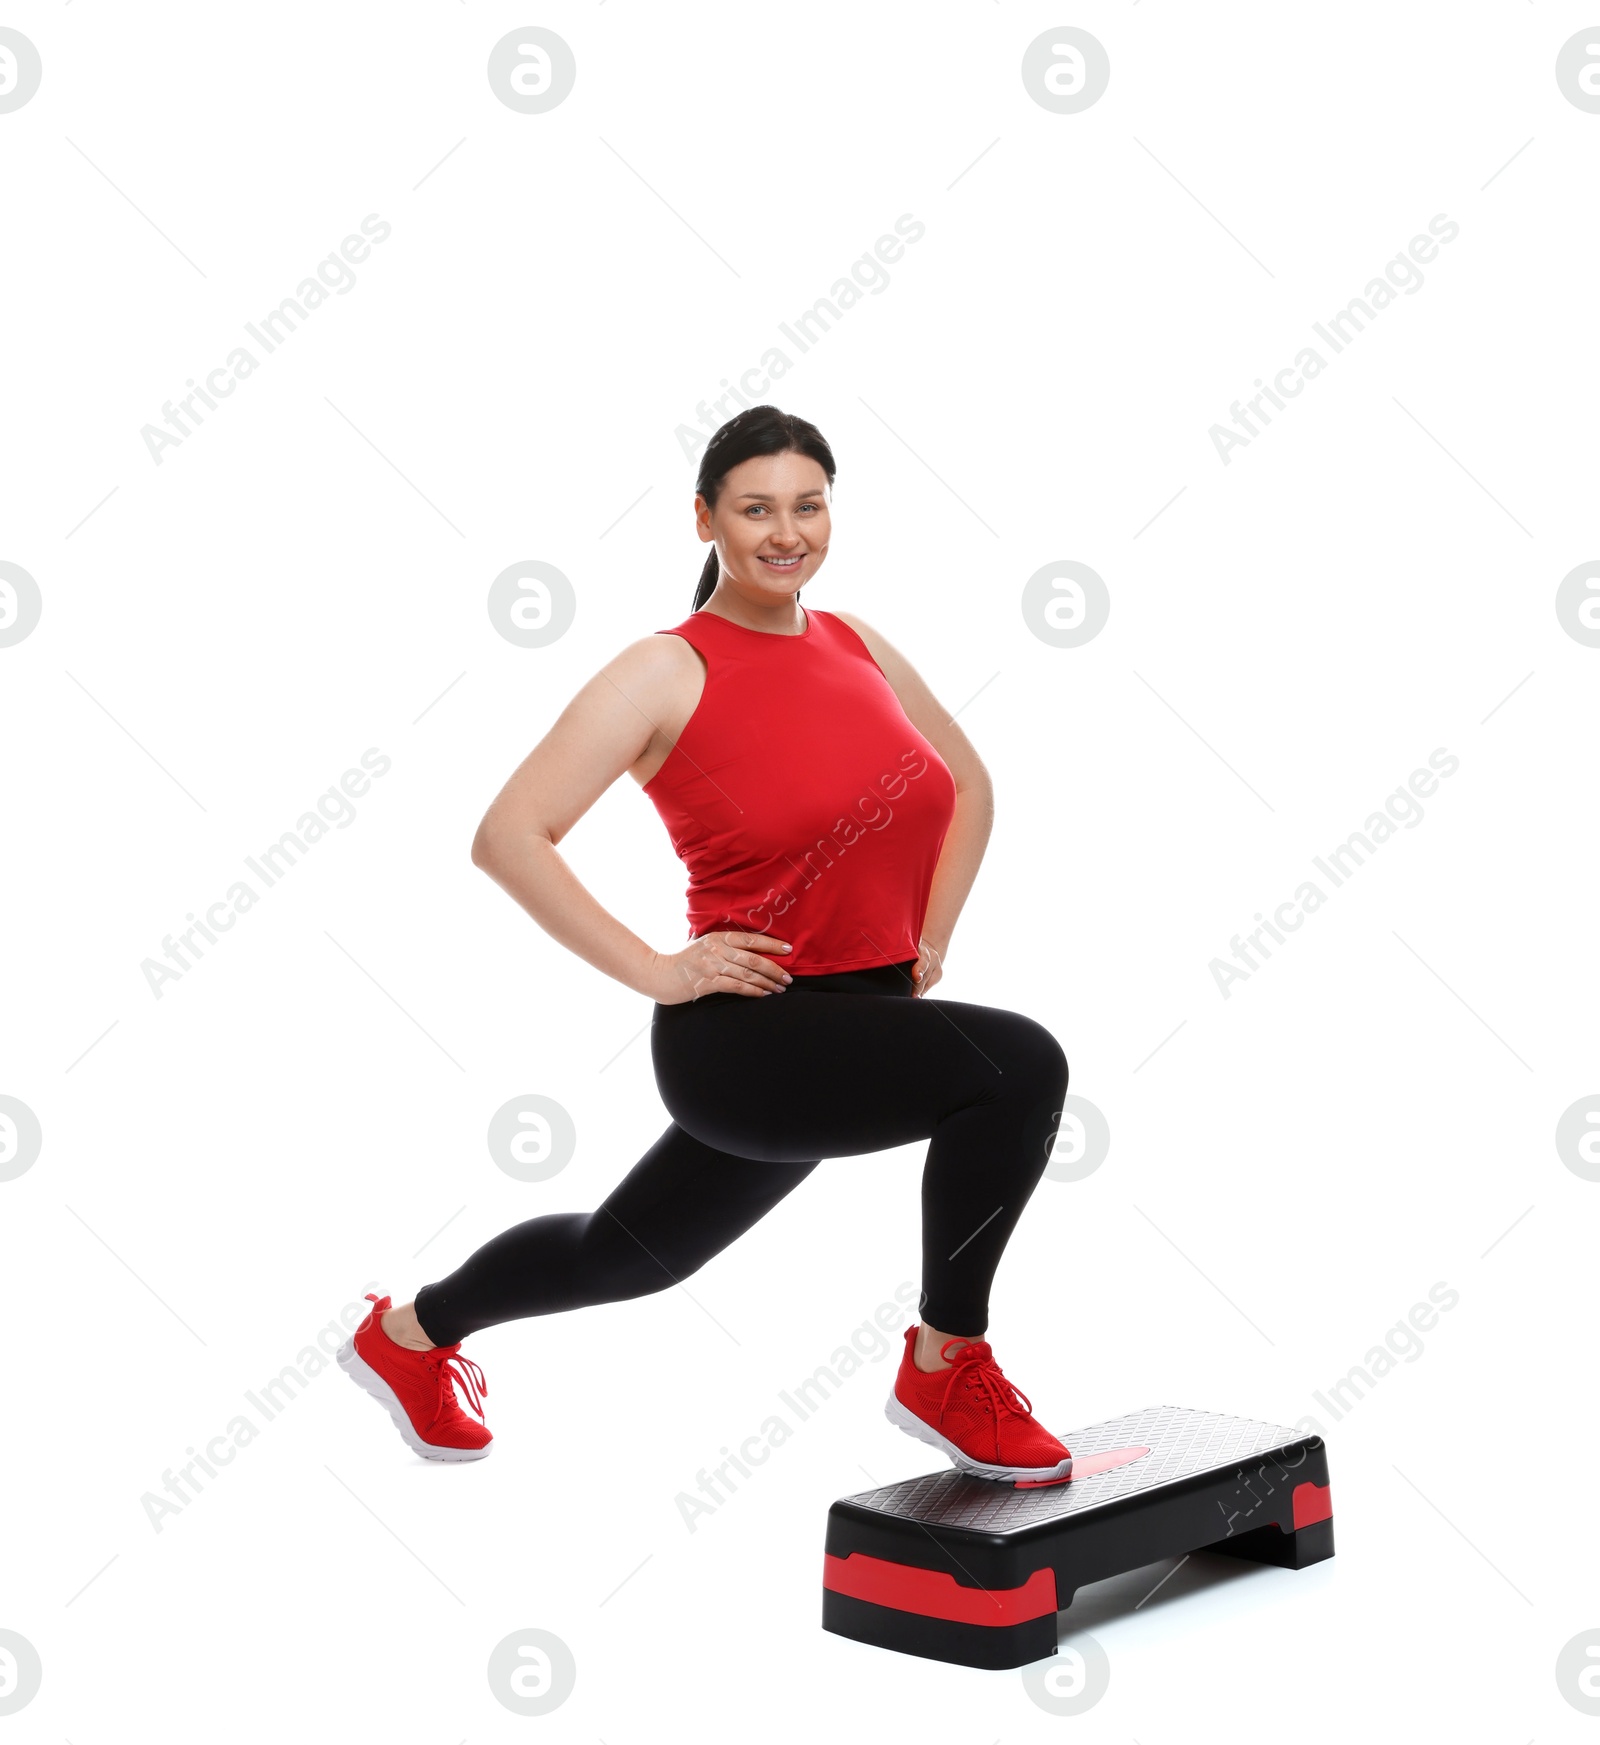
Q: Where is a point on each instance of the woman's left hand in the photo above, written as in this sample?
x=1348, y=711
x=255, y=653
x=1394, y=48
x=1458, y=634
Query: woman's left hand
x=927, y=969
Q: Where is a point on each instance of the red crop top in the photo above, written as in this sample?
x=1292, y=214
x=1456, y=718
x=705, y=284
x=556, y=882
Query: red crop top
x=800, y=797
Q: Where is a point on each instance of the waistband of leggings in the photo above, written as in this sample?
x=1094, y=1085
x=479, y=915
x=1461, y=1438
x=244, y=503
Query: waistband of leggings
x=877, y=978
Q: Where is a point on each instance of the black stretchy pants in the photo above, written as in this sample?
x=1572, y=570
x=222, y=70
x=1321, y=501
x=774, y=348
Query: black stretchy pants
x=760, y=1089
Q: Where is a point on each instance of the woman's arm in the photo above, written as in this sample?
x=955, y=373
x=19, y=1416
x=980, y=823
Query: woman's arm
x=968, y=834
x=601, y=733
x=958, y=862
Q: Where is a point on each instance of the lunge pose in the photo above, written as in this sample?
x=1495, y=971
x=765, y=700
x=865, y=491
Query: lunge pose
x=832, y=817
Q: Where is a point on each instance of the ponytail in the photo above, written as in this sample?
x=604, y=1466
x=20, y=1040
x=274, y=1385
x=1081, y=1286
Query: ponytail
x=708, y=581
x=758, y=430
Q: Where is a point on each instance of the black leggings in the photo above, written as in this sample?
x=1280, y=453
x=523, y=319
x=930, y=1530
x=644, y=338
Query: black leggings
x=760, y=1089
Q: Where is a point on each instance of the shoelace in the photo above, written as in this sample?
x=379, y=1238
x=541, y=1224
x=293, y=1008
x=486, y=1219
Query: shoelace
x=456, y=1368
x=974, y=1365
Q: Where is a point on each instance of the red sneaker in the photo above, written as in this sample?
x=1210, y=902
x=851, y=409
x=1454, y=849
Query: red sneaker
x=417, y=1388
x=974, y=1415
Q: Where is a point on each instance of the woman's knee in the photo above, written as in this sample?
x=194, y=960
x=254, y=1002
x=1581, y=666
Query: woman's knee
x=628, y=1268
x=1037, y=1055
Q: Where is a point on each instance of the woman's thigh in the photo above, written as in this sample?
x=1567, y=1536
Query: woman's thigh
x=789, y=1077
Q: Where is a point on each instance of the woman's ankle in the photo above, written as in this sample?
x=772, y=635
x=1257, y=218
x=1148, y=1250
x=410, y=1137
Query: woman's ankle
x=403, y=1327
x=925, y=1348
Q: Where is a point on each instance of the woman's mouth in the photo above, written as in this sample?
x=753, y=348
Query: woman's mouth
x=783, y=565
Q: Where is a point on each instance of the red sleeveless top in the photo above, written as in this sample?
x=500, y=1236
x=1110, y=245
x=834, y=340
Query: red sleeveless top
x=800, y=797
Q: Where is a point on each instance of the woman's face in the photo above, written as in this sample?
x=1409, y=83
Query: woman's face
x=770, y=525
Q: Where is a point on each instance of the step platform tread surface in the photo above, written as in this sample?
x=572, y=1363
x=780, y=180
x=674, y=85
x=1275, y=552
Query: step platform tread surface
x=1183, y=1441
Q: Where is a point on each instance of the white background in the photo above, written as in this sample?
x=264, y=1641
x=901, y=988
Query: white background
x=1291, y=634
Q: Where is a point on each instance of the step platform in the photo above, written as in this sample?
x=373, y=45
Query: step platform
x=974, y=1570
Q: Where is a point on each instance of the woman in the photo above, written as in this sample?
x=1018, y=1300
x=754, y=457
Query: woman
x=832, y=817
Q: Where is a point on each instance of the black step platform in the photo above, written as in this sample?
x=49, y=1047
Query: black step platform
x=973, y=1570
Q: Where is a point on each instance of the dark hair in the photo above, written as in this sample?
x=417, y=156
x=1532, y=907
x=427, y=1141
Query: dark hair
x=756, y=431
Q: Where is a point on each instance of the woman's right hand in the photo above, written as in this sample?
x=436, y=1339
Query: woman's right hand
x=720, y=963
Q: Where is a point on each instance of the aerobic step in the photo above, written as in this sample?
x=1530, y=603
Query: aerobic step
x=974, y=1570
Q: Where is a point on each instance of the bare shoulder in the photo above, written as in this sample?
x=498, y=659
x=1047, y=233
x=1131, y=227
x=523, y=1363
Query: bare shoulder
x=659, y=664
x=660, y=651
x=646, y=684
x=658, y=679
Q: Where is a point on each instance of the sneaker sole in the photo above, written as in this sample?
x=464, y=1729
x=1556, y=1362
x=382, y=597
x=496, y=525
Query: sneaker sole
x=365, y=1376
x=900, y=1414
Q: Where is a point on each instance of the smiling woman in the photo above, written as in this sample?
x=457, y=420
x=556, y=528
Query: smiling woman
x=812, y=782
x=774, y=520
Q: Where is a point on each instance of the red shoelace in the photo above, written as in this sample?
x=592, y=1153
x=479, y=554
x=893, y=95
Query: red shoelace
x=975, y=1366
x=461, y=1369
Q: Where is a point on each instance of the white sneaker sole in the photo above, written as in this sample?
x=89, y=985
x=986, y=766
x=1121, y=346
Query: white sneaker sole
x=365, y=1376
x=898, y=1413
